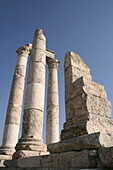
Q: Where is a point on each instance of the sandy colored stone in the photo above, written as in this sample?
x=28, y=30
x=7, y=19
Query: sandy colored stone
x=73, y=59
x=52, y=118
x=104, y=126
x=85, y=104
x=75, y=68
x=31, y=144
x=63, y=160
x=25, y=153
x=93, y=124
x=18, y=82
x=50, y=54
x=3, y=158
x=12, y=131
x=53, y=99
x=34, y=69
x=83, y=142
x=22, y=60
x=6, y=152
x=53, y=88
x=38, y=55
x=39, y=43
x=82, y=85
x=32, y=123
x=34, y=97
x=20, y=71
x=87, y=108
x=31, y=139
x=11, y=128
x=73, y=73
x=13, y=114
x=74, y=130
x=16, y=96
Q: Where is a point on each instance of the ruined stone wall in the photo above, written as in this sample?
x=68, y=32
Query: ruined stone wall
x=87, y=108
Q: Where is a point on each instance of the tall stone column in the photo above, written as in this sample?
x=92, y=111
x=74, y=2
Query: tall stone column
x=52, y=119
x=31, y=142
x=13, y=116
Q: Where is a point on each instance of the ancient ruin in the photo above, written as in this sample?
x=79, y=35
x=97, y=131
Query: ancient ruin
x=87, y=135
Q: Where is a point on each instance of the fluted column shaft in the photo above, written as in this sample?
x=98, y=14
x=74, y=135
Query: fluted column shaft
x=52, y=118
x=13, y=116
x=32, y=126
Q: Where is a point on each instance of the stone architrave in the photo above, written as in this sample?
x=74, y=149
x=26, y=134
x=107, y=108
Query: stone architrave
x=31, y=142
x=87, y=108
x=13, y=116
x=52, y=118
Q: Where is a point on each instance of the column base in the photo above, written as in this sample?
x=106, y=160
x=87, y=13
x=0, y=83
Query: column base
x=27, y=153
x=28, y=147
x=4, y=158
x=6, y=150
x=5, y=154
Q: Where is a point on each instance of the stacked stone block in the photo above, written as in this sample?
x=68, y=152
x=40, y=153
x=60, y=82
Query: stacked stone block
x=87, y=108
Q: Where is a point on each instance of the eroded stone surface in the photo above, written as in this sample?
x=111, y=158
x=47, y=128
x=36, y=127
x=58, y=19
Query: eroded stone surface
x=31, y=139
x=11, y=129
x=52, y=118
x=82, y=85
x=83, y=142
x=106, y=157
x=87, y=108
x=33, y=119
x=62, y=160
x=34, y=69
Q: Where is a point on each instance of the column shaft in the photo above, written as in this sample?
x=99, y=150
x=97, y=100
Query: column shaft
x=32, y=126
x=52, y=118
x=13, y=116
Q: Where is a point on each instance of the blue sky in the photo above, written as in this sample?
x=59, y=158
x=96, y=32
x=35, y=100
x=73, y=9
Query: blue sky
x=82, y=26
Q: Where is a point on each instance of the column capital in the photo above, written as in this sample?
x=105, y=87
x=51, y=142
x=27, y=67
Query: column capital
x=52, y=63
x=26, y=49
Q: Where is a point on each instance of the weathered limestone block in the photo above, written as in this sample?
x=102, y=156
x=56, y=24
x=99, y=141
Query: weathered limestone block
x=82, y=85
x=75, y=68
x=94, y=123
x=50, y=54
x=106, y=157
x=87, y=108
x=12, y=123
x=31, y=139
x=52, y=119
x=85, y=104
x=66, y=160
x=89, y=141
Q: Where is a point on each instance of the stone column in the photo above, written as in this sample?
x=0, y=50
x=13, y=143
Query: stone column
x=31, y=142
x=13, y=116
x=52, y=119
